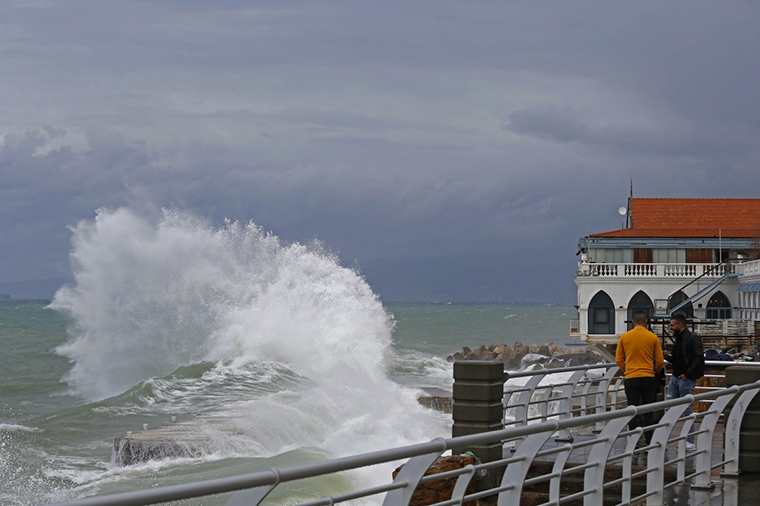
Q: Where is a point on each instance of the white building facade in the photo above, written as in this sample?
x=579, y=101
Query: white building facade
x=695, y=269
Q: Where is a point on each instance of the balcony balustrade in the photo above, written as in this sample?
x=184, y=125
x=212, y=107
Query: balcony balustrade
x=751, y=268
x=681, y=270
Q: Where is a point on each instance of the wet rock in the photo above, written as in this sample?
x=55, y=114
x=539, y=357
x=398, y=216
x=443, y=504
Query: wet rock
x=441, y=490
x=128, y=451
x=437, y=403
x=513, y=357
x=555, y=363
x=534, y=358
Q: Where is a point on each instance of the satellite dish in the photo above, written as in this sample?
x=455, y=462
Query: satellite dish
x=622, y=211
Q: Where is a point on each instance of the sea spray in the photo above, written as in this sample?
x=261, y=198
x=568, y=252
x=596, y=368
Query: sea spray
x=149, y=298
x=301, y=345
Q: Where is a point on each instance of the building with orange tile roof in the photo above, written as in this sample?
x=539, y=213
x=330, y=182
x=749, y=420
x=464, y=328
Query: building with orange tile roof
x=692, y=256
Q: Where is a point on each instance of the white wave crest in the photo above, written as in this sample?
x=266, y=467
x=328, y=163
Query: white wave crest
x=151, y=297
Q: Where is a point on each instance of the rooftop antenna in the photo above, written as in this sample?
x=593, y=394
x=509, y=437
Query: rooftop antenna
x=629, y=218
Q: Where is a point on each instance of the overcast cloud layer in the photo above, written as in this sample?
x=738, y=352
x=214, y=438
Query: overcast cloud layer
x=451, y=150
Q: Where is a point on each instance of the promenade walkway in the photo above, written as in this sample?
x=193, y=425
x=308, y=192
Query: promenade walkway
x=743, y=490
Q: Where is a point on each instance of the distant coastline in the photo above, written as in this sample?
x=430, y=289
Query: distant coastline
x=32, y=289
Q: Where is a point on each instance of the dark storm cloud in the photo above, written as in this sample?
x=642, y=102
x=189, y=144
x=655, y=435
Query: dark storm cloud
x=402, y=134
x=565, y=126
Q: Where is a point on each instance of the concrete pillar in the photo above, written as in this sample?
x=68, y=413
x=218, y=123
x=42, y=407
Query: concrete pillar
x=477, y=404
x=749, y=436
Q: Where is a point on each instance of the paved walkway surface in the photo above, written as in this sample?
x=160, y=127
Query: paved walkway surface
x=744, y=490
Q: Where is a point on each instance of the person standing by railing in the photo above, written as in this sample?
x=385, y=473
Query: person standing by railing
x=688, y=366
x=639, y=356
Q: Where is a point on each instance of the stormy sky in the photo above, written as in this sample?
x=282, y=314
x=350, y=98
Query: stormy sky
x=450, y=150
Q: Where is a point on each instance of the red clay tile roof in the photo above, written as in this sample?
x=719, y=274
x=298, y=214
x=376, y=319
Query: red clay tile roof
x=691, y=218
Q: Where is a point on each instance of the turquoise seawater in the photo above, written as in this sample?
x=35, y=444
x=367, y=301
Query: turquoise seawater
x=265, y=354
x=56, y=444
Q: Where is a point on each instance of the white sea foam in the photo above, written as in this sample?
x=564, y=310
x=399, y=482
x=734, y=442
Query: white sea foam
x=12, y=427
x=301, y=345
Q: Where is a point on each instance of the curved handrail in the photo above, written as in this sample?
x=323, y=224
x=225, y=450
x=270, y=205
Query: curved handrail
x=252, y=488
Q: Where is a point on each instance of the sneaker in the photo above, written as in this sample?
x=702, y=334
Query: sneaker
x=690, y=446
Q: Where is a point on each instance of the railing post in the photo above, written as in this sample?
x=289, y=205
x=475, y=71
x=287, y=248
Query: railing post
x=593, y=477
x=703, y=466
x=477, y=407
x=565, y=407
x=602, y=394
x=522, y=405
x=656, y=456
x=516, y=472
x=411, y=474
x=748, y=423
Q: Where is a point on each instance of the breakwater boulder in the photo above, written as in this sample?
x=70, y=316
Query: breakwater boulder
x=520, y=356
x=127, y=451
x=441, y=490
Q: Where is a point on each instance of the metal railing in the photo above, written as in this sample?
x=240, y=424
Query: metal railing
x=614, y=445
x=576, y=394
x=538, y=395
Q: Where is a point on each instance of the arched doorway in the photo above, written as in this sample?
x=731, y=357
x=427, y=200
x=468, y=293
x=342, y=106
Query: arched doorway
x=676, y=299
x=719, y=306
x=601, y=314
x=639, y=302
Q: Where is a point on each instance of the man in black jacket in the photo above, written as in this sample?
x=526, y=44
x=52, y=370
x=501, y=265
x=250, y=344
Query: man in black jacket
x=688, y=365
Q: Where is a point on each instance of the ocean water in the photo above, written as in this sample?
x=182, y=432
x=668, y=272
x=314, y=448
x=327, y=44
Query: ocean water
x=274, y=353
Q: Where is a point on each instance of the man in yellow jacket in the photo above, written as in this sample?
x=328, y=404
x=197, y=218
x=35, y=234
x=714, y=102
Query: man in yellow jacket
x=639, y=356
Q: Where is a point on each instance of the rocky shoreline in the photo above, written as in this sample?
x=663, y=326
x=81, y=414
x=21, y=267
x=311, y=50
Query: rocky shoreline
x=515, y=357
x=520, y=356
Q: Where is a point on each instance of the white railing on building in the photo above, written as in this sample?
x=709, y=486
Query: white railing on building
x=751, y=268
x=681, y=270
x=667, y=448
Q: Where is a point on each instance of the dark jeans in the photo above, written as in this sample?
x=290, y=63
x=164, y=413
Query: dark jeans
x=640, y=391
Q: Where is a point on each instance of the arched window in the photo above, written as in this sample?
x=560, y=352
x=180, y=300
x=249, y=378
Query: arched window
x=601, y=314
x=639, y=302
x=719, y=306
x=676, y=299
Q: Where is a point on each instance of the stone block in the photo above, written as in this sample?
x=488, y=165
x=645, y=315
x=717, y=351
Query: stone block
x=751, y=418
x=467, y=428
x=749, y=440
x=480, y=370
x=477, y=411
x=742, y=375
x=749, y=462
x=466, y=390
